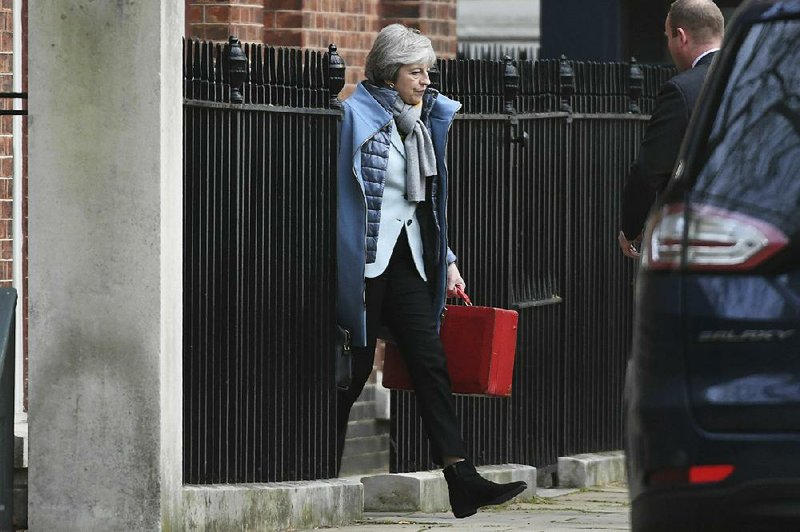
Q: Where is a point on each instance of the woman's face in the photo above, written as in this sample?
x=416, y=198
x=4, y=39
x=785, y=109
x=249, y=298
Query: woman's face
x=411, y=82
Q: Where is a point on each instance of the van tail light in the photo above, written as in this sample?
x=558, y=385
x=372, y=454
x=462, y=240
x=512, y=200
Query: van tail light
x=715, y=239
x=697, y=474
x=709, y=473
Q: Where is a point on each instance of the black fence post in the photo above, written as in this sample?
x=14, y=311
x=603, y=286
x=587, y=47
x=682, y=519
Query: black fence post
x=510, y=93
x=435, y=76
x=510, y=85
x=335, y=70
x=635, y=86
x=237, y=68
x=8, y=303
x=566, y=76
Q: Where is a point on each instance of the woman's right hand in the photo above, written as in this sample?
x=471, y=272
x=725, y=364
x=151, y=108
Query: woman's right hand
x=454, y=279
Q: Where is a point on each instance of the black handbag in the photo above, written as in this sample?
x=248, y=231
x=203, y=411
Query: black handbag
x=344, y=358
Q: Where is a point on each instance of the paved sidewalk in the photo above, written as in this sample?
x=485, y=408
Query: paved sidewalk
x=604, y=508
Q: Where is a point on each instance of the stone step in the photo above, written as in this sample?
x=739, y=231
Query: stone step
x=366, y=445
x=591, y=469
x=367, y=427
x=362, y=410
x=367, y=394
x=365, y=464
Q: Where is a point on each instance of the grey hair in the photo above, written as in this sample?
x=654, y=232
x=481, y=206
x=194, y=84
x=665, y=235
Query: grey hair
x=395, y=46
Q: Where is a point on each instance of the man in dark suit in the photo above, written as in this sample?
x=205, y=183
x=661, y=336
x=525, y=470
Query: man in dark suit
x=693, y=29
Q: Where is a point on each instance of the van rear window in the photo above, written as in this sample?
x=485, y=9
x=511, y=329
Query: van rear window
x=754, y=146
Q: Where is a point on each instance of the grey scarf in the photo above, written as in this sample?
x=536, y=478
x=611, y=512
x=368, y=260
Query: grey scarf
x=420, y=157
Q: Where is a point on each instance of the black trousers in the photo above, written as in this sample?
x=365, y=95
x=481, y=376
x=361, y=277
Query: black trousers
x=400, y=300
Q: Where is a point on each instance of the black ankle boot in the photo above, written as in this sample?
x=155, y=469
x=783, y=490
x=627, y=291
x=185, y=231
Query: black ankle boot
x=469, y=491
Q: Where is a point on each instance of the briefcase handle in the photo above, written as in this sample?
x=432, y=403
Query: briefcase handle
x=462, y=295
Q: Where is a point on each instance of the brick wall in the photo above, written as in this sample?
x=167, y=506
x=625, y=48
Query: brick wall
x=6, y=145
x=216, y=20
x=350, y=24
x=434, y=18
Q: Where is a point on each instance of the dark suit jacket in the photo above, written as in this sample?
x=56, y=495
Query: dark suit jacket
x=659, y=149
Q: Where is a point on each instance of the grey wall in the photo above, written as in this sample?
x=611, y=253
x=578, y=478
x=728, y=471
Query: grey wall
x=105, y=263
x=509, y=22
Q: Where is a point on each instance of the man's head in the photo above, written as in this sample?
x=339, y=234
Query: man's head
x=692, y=27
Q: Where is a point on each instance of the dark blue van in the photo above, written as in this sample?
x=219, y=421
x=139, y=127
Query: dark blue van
x=713, y=383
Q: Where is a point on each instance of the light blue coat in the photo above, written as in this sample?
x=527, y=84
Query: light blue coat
x=363, y=118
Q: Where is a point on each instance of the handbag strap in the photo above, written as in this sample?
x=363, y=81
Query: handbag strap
x=463, y=295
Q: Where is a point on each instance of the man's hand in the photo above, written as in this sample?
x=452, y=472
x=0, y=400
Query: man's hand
x=628, y=247
x=453, y=279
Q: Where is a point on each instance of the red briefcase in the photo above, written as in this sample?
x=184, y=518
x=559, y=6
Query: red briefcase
x=479, y=343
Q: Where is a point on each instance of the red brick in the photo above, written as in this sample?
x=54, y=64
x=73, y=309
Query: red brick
x=254, y=34
x=6, y=41
x=288, y=19
x=212, y=32
x=283, y=37
x=218, y=14
x=194, y=14
x=400, y=9
x=283, y=4
x=254, y=14
x=237, y=15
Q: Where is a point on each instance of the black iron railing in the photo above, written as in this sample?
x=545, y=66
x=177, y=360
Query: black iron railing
x=536, y=173
x=537, y=157
x=259, y=270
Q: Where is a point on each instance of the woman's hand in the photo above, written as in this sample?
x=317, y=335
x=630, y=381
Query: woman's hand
x=454, y=279
x=629, y=247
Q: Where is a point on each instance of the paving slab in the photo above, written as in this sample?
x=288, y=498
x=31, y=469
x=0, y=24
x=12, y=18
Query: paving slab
x=558, y=510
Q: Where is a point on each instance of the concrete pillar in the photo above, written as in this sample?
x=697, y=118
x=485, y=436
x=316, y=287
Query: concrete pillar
x=105, y=264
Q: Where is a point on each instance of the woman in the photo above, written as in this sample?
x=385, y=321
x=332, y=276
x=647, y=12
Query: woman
x=394, y=266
